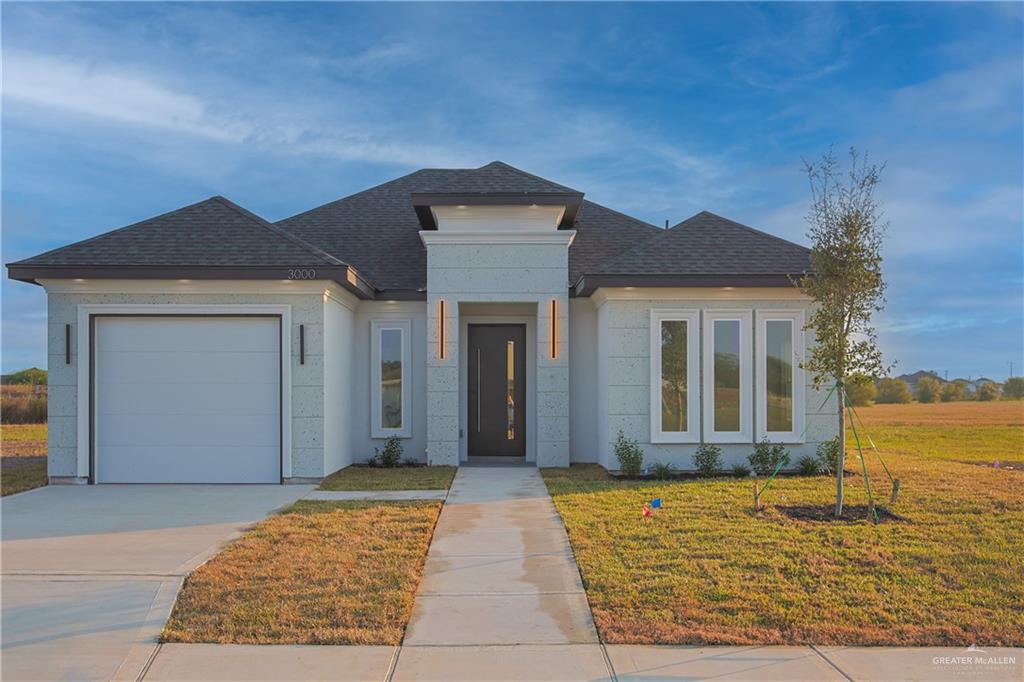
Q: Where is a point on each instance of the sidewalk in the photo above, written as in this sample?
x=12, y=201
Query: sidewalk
x=501, y=599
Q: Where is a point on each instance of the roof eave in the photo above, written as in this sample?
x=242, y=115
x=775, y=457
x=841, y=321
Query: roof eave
x=588, y=284
x=345, y=275
x=422, y=201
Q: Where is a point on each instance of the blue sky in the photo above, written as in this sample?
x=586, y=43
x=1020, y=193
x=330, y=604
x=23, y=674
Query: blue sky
x=116, y=112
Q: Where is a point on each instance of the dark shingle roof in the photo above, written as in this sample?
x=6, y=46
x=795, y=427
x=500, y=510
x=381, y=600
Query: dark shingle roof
x=377, y=230
x=214, y=232
x=707, y=244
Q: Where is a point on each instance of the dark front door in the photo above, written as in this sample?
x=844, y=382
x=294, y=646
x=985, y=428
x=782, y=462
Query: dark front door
x=497, y=390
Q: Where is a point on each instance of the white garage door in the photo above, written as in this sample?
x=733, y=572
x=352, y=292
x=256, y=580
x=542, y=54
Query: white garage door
x=187, y=400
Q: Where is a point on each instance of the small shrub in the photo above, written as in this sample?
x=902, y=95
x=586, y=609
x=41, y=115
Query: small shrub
x=708, y=459
x=1014, y=387
x=373, y=462
x=828, y=455
x=989, y=391
x=410, y=462
x=741, y=471
x=766, y=456
x=629, y=454
x=893, y=391
x=928, y=390
x=809, y=466
x=661, y=471
x=392, y=453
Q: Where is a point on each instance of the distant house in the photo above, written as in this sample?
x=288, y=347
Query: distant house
x=912, y=379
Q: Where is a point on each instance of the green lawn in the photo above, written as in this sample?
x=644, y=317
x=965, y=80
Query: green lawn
x=707, y=570
x=318, y=573
x=397, y=478
x=23, y=464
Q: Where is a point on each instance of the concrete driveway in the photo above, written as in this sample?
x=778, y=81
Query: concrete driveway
x=90, y=573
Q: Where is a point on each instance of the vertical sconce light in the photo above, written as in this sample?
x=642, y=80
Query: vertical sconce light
x=554, y=329
x=302, y=344
x=440, y=328
x=67, y=344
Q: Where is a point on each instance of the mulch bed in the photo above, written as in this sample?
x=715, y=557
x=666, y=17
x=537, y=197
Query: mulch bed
x=826, y=513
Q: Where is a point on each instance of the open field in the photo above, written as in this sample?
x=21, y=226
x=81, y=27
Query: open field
x=708, y=570
x=23, y=461
x=973, y=432
x=397, y=478
x=318, y=573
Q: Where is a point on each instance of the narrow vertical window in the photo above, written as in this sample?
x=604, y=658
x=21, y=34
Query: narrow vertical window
x=675, y=406
x=390, y=377
x=727, y=375
x=780, y=389
x=778, y=347
x=674, y=383
x=728, y=380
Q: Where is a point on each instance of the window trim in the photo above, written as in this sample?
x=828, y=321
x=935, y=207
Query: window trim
x=376, y=411
x=746, y=432
x=798, y=434
x=692, y=319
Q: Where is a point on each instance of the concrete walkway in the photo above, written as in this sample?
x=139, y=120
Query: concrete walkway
x=500, y=587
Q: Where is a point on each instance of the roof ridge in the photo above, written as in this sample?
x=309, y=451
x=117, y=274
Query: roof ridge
x=498, y=162
x=748, y=228
x=115, y=230
x=263, y=222
x=360, y=192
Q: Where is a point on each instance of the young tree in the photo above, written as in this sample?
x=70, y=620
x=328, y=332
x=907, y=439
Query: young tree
x=862, y=390
x=927, y=390
x=989, y=391
x=845, y=282
x=954, y=391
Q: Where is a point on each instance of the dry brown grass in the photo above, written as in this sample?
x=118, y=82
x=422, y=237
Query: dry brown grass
x=993, y=413
x=396, y=478
x=22, y=404
x=319, y=573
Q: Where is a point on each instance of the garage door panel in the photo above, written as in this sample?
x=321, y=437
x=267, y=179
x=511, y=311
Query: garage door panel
x=190, y=399
x=188, y=368
x=195, y=464
x=188, y=334
x=184, y=429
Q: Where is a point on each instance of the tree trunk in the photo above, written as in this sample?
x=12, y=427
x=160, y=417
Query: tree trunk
x=841, y=460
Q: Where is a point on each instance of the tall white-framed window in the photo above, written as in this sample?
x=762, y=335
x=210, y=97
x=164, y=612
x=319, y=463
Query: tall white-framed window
x=780, y=380
x=728, y=384
x=675, y=372
x=390, y=378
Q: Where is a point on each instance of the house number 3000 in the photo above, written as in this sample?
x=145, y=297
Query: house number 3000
x=302, y=273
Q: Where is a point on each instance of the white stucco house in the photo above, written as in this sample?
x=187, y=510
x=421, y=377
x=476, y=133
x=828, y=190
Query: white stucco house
x=473, y=313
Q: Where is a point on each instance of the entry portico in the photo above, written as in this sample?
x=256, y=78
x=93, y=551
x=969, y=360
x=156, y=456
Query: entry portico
x=493, y=264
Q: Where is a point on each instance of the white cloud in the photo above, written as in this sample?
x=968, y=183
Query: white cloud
x=110, y=95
